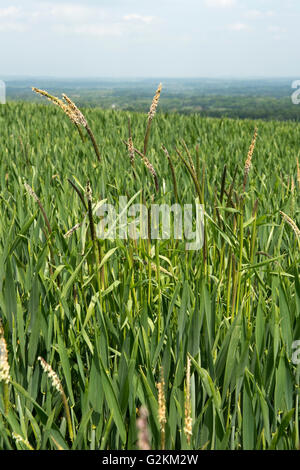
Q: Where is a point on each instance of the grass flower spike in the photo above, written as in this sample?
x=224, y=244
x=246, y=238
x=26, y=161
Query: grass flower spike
x=154, y=104
x=4, y=370
x=56, y=383
x=249, y=159
x=73, y=113
x=151, y=115
x=76, y=114
x=292, y=224
x=4, y=365
x=188, y=422
x=162, y=409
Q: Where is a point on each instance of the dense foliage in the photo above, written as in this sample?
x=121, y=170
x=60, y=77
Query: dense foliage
x=112, y=331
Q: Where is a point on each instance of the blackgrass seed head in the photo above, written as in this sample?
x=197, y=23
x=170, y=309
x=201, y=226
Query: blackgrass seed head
x=4, y=365
x=56, y=383
x=154, y=104
x=291, y=223
x=188, y=421
x=249, y=158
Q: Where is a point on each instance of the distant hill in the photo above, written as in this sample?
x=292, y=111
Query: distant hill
x=268, y=99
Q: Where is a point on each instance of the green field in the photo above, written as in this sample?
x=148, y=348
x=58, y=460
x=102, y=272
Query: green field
x=268, y=99
x=115, y=318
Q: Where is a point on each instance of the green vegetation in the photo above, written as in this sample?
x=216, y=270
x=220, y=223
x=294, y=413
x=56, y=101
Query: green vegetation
x=268, y=99
x=114, y=318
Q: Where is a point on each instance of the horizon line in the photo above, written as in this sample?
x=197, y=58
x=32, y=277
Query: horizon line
x=220, y=77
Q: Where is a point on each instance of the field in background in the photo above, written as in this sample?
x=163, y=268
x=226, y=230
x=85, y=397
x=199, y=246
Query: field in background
x=253, y=98
x=233, y=308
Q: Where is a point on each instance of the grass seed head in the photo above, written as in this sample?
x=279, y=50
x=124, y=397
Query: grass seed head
x=131, y=150
x=56, y=383
x=188, y=421
x=47, y=95
x=31, y=192
x=154, y=104
x=292, y=185
x=68, y=107
x=58, y=102
x=249, y=158
x=161, y=402
x=72, y=230
x=291, y=223
x=4, y=365
x=89, y=193
x=77, y=115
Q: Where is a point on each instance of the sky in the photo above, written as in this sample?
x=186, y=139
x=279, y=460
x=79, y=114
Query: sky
x=153, y=38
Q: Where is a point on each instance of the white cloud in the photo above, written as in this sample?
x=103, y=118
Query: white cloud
x=96, y=30
x=239, y=27
x=71, y=18
x=220, y=3
x=140, y=18
x=89, y=21
x=254, y=14
x=276, y=29
x=9, y=12
x=258, y=14
x=73, y=13
x=84, y=20
x=10, y=20
x=12, y=27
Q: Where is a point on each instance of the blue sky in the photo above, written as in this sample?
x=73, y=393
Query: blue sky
x=156, y=38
